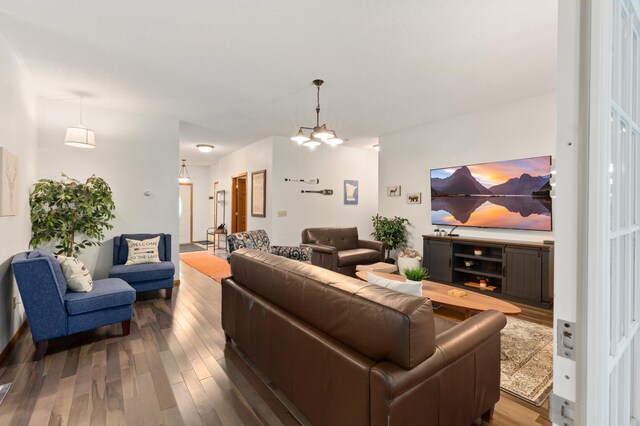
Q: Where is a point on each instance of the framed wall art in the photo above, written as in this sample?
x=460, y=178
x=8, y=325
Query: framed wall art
x=351, y=188
x=8, y=183
x=414, y=198
x=394, y=191
x=259, y=193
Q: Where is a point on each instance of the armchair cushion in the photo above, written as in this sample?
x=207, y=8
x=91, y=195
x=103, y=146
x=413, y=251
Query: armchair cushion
x=143, y=272
x=340, y=238
x=107, y=293
x=292, y=252
x=258, y=240
x=121, y=248
x=357, y=256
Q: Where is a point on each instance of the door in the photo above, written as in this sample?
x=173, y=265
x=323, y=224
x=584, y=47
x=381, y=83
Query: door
x=239, y=203
x=185, y=213
x=597, y=226
x=523, y=273
x=438, y=255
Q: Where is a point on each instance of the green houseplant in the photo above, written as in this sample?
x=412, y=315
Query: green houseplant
x=71, y=214
x=391, y=231
x=416, y=274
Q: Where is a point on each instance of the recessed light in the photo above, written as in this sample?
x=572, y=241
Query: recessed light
x=203, y=147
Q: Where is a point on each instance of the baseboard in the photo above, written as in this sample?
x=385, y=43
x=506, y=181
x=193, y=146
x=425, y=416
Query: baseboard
x=13, y=340
x=176, y=282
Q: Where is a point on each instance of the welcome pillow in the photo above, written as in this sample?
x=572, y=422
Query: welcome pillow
x=143, y=251
x=77, y=275
x=414, y=288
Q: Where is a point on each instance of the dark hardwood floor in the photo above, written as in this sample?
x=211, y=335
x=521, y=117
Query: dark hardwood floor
x=174, y=368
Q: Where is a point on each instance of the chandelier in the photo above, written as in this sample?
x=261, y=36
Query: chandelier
x=318, y=133
x=183, y=176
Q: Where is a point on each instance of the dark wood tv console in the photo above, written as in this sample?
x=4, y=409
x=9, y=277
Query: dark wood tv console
x=519, y=271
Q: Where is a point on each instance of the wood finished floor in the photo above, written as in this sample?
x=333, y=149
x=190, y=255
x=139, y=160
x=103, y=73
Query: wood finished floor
x=173, y=369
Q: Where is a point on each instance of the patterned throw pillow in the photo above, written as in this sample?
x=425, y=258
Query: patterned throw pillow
x=143, y=251
x=77, y=275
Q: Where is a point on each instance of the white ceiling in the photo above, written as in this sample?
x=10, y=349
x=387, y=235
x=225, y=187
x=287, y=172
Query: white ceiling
x=238, y=71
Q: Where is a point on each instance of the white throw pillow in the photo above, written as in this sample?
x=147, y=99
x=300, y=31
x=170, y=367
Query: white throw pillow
x=414, y=288
x=77, y=275
x=143, y=251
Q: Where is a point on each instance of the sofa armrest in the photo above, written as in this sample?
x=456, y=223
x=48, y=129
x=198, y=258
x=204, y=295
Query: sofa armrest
x=323, y=256
x=477, y=340
x=373, y=245
x=320, y=248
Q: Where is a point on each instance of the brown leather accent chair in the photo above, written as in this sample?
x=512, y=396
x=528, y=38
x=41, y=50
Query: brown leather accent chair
x=340, y=249
x=347, y=352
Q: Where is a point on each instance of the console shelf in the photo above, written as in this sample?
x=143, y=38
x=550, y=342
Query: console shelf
x=473, y=256
x=518, y=270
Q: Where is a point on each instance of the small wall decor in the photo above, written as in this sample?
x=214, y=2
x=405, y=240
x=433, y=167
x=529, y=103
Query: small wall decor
x=414, y=198
x=351, y=192
x=312, y=180
x=259, y=193
x=393, y=191
x=322, y=191
x=8, y=183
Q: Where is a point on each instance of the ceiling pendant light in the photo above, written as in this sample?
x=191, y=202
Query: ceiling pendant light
x=319, y=133
x=79, y=136
x=184, y=177
x=206, y=148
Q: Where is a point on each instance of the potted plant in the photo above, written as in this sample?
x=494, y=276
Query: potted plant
x=391, y=231
x=71, y=214
x=416, y=274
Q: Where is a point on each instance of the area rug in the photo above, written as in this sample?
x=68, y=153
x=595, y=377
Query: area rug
x=207, y=263
x=527, y=360
x=188, y=248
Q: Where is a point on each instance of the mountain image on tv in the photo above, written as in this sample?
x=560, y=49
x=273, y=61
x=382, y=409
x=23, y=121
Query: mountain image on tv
x=505, y=194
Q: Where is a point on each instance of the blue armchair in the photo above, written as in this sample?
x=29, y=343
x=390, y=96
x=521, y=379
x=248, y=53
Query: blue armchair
x=53, y=311
x=147, y=276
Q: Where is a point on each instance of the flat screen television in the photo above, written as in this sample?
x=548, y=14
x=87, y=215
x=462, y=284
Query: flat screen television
x=514, y=194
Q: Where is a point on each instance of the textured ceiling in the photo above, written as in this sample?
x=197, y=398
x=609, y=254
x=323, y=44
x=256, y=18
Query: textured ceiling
x=243, y=70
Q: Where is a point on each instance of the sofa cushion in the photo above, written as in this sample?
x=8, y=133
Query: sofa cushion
x=357, y=257
x=142, y=251
x=143, y=272
x=414, y=288
x=257, y=239
x=340, y=238
x=55, y=266
x=120, y=244
x=77, y=275
x=105, y=294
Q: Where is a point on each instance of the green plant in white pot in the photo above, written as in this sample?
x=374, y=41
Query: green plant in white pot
x=415, y=274
x=71, y=214
x=391, y=231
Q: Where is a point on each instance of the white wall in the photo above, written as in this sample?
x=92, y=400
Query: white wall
x=332, y=166
x=134, y=153
x=201, y=204
x=18, y=134
x=251, y=158
x=517, y=130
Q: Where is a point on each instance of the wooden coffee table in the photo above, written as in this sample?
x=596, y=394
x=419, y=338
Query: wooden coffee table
x=470, y=302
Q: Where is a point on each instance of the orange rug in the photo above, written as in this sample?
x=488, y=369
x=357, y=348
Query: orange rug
x=207, y=263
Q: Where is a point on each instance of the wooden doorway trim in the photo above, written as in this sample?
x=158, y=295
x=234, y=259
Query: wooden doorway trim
x=234, y=199
x=190, y=185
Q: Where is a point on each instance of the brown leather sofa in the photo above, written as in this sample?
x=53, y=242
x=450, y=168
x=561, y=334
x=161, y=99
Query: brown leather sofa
x=347, y=352
x=340, y=249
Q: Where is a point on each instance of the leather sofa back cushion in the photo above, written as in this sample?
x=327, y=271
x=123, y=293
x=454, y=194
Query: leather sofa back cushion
x=379, y=323
x=340, y=238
